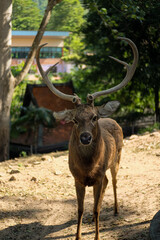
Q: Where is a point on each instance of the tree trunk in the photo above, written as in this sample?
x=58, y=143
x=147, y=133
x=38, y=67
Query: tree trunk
x=7, y=81
x=6, y=78
x=157, y=110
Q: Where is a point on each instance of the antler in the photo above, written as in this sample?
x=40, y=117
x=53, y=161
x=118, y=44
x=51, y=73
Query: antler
x=72, y=98
x=130, y=72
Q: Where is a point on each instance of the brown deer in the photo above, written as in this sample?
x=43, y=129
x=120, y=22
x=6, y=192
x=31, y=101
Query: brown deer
x=95, y=143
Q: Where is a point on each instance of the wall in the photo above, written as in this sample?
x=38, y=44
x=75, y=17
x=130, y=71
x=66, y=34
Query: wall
x=26, y=41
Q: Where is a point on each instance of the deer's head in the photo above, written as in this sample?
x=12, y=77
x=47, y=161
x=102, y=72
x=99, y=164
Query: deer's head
x=85, y=116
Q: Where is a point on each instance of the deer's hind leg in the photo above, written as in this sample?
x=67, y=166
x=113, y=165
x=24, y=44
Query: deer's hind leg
x=114, y=171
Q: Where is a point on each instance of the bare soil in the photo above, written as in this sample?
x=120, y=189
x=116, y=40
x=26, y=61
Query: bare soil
x=38, y=201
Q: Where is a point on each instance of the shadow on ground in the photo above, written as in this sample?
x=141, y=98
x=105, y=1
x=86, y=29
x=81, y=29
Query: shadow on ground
x=36, y=231
x=109, y=226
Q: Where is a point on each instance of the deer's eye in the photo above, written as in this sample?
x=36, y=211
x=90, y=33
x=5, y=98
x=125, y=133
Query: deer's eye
x=75, y=121
x=94, y=119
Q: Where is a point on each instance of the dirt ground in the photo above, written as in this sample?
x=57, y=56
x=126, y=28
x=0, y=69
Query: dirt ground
x=37, y=196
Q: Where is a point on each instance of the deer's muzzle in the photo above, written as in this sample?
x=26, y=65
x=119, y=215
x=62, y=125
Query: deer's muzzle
x=85, y=138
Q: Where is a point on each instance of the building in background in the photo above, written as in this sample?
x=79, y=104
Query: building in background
x=50, y=54
x=56, y=138
x=45, y=139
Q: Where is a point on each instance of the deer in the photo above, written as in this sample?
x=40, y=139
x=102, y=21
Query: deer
x=96, y=140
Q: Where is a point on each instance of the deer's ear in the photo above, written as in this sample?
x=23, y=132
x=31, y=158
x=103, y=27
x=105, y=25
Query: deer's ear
x=66, y=115
x=107, y=109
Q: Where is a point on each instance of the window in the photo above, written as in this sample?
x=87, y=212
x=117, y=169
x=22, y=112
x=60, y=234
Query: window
x=46, y=52
x=51, y=52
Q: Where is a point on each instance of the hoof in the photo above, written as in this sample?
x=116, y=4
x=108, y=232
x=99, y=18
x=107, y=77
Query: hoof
x=78, y=238
x=116, y=214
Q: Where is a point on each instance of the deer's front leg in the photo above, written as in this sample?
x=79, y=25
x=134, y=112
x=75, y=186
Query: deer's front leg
x=98, y=191
x=80, y=191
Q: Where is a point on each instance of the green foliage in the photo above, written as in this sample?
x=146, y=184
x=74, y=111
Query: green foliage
x=133, y=104
x=26, y=15
x=78, y=76
x=138, y=20
x=30, y=120
x=17, y=100
x=66, y=16
x=73, y=47
x=41, y=4
x=18, y=95
x=151, y=128
x=17, y=69
x=23, y=154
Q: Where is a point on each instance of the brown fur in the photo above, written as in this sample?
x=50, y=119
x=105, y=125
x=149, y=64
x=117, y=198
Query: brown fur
x=88, y=163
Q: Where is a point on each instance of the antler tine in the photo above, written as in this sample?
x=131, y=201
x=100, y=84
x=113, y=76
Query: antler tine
x=50, y=68
x=130, y=72
x=120, y=61
x=72, y=98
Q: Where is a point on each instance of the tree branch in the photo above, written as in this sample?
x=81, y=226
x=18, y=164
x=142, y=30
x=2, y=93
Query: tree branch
x=36, y=42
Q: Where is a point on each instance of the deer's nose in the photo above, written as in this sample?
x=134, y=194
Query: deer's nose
x=85, y=138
